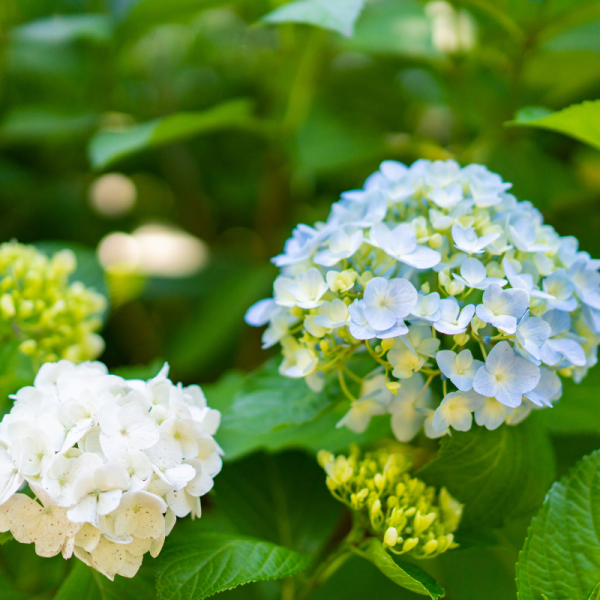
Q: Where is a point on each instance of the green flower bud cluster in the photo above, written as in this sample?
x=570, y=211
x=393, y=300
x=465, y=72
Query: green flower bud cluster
x=409, y=516
x=50, y=318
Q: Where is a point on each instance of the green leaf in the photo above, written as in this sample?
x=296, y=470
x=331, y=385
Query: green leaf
x=35, y=124
x=281, y=498
x=85, y=582
x=62, y=29
x=337, y=15
x=580, y=121
x=320, y=433
x=107, y=147
x=561, y=555
x=213, y=562
x=577, y=411
x=406, y=575
x=268, y=400
x=594, y=594
x=5, y=537
x=498, y=474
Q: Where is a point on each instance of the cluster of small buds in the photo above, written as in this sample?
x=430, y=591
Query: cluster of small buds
x=468, y=304
x=50, y=318
x=111, y=463
x=407, y=515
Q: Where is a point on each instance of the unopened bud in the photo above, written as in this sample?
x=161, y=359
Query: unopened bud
x=391, y=537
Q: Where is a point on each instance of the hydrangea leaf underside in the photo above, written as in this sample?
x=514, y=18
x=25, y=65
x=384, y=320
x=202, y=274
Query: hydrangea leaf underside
x=406, y=575
x=580, y=121
x=561, y=556
x=214, y=562
x=337, y=15
x=498, y=474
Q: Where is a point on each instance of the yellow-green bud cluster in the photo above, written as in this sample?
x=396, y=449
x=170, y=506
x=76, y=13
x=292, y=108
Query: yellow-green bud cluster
x=50, y=318
x=409, y=516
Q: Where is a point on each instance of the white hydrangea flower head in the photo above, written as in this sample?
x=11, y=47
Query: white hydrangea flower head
x=111, y=462
x=470, y=308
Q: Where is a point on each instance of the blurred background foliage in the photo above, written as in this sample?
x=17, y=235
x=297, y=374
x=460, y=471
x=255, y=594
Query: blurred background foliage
x=181, y=140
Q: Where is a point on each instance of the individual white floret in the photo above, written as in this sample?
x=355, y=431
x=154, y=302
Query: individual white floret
x=452, y=319
x=388, y=301
x=491, y=414
x=407, y=408
x=342, y=243
x=456, y=411
x=374, y=399
x=126, y=428
x=33, y=453
x=523, y=235
x=10, y=477
x=505, y=376
x=98, y=492
x=548, y=389
x=45, y=525
x=332, y=315
x=559, y=347
x=558, y=285
x=140, y=514
x=260, y=314
x=502, y=308
x=474, y=275
x=586, y=280
x=532, y=333
x=300, y=246
x=308, y=288
x=138, y=467
x=361, y=329
x=466, y=239
x=59, y=480
x=401, y=243
x=459, y=368
x=523, y=281
x=446, y=197
x=427, y=307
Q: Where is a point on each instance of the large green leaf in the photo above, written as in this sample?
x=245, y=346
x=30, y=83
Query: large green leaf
x=581, y=121
x=498, y=474
x=404, y=574
x=561, y=556
x=212, y=562
x=337, y=15
x=5, y=537
x=281, y=498
x=107, y=147
x=320, y=433
x=86, y=583
x=268, y=400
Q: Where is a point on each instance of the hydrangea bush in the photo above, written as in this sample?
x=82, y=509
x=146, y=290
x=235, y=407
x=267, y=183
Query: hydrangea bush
x=111, y=462
x=467, y=303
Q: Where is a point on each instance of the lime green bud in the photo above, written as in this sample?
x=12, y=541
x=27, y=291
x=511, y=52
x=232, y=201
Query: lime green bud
x=7, y=306
x=49, y=317
x=391, y=536
x=409, y=544
x=28, y=347
x=324, y=457
x=421, y=522
x=430, y=547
